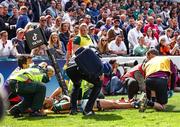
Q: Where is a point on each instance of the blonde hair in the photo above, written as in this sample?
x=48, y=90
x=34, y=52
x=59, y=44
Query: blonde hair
x=51, y=43
x=103, y=48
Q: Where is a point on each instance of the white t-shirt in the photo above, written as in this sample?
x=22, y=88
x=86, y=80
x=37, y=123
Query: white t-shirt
x=152, y=42
x=114, y=47
x=7, y=50
x=133, y=37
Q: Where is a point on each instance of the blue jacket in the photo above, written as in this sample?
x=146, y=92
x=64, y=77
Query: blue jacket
x=22, y=21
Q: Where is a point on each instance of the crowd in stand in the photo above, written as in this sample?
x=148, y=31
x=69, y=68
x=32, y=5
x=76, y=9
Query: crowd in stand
x=121, y=27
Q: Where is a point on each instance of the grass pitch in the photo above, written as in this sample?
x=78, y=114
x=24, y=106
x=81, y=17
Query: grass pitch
x=113, y=118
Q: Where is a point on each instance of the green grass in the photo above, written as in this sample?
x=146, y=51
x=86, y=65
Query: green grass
x=113, y=118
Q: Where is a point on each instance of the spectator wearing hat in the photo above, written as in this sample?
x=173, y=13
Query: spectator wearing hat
x=118, y=46
x=18, y=41
x=93, y=36
x=102, y=33
x=88, y=20
x=114, y=30
x=23, y=18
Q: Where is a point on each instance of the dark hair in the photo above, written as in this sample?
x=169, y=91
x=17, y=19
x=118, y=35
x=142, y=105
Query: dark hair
x=71, y=9
x=21, y=60
x=153, y=51
x=112, y=61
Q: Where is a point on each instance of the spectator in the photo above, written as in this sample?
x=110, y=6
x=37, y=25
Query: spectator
x=2, y=22
x=117, y=46
x=6, y=47
x=64, y=33
x=69, y=52
x=68, y=16
x=102, y=33
x=49, y=21
x=93, y=36
x=103, y=46
x=5, y=14
x=134, y=34
x=60, y=11
x=152, y=26
x=43, y=26
x=114, y=30
x=68, y=5
x=80, y=14
x=131, y=25
x=94, y=12
x=167, y=36
x=87, y=20
x=18, y=41
x=150, y=40
x=107, y=25
x=23, y=19
x=8, y=2
x=102, y=21
x=140, y=49
x=111, y=82
x=52, y=9
x=160, y=25
x=37, y=9
x=12, y=23
x=176, y=48
x=39, y=51
x=163, y=47
x=57, y=45
x=57, y=24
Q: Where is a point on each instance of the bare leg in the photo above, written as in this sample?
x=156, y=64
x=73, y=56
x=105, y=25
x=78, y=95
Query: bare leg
x=110, y=104
x=56, y=93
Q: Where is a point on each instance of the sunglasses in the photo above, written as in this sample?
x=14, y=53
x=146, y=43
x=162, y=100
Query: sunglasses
x=44, y=20
x=104, y=40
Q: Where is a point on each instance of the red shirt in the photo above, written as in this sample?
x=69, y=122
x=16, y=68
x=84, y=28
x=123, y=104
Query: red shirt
x=152, y=26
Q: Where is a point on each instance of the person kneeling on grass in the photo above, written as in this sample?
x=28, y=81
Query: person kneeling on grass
x=159, y=71
x=29, y=83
